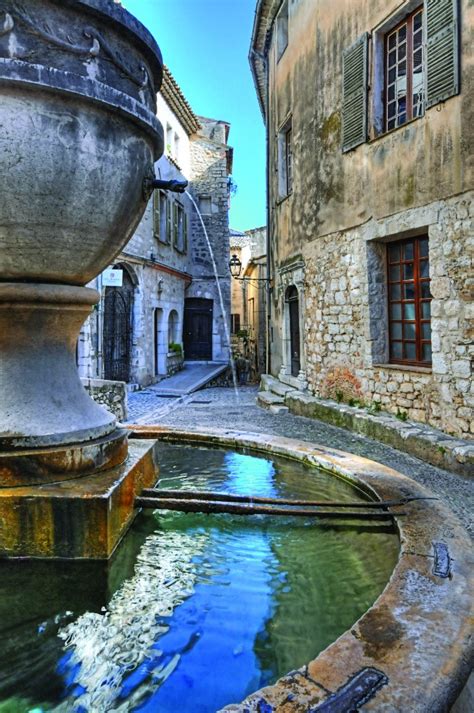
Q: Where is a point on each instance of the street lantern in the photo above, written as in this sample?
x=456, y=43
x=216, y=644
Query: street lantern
x=235, y=266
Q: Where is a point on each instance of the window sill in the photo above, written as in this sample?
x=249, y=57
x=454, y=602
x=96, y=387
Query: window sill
x=404, y=367
x=282, y=199
x=383, y=134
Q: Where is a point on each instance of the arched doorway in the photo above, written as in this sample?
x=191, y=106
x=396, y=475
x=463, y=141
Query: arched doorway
x=292, y=300
x=117, y=339
x=197, y=330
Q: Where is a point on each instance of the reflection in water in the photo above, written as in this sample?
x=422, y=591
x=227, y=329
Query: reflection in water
x=199, y=610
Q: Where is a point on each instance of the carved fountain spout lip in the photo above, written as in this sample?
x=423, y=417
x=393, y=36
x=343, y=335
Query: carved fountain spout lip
x=98, y=67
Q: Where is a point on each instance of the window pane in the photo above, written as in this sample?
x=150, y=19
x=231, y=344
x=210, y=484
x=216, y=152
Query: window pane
x=394, y=253
x=410, y=351
x=395, y=291
x=395, y=311
x=426, y=330
x=391, y=110
x=391, y=93
x=394, y=272
x=402, y=119
x=402, y=33
x=409, y=310
x=392, y=58
x=397, y=350
x=417, y=57
x=417, y=40
x=402, y=69
x=409, y=291
x=426, y=352
x=425, y=289
x=423, y=247
x=426, y=310
x=391, y=124
x=408, y=251
x=402, y=51
x=392, y=40
x=392, y=75
x=408, y=271
x=396, y=330
x=424, y=268
x=409, y=330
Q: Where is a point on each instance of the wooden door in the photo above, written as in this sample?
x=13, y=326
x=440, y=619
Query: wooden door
x=197, y=329
x=293, y=305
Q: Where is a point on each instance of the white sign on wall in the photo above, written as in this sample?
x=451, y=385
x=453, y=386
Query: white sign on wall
x=112, y=277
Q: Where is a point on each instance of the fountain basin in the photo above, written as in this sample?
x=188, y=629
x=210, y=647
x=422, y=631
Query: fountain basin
x=413, y=649
x=78, y=135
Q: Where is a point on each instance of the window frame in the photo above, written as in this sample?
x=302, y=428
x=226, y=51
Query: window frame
x=282, y=29
x=180, y=228
x=418, y=280
x=408, y=21
x=285, y=160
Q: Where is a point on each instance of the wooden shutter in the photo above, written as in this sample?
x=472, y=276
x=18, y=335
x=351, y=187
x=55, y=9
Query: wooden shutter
x=168, y=221
x=442, y=52
x=354, y=94
x=175, y=224
x=185, y=233
x=156, y=214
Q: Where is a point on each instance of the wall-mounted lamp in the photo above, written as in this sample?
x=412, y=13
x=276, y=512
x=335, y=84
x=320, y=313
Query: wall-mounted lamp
x=235, y=267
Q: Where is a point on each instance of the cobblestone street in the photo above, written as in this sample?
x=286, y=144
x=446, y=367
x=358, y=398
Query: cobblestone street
x=221, y=408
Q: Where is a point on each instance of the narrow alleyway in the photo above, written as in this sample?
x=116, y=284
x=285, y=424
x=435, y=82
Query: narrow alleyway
x=221, y=408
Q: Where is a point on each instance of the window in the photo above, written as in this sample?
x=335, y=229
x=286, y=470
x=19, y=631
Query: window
x=169, y=139
x=205, y=205
x=160, y=213
x=180, y=228
x=409, y=301
x=282, y=30
x=285, y=160
x=173, y=321
x=234, y=323
x=412, y=60
x=404, y=71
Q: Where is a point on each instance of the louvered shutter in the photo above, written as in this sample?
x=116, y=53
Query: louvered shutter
x=168, y=221
x=442, y=53
x=354, y=94
x=156, y=214
x=185, y=241
x=175, y=224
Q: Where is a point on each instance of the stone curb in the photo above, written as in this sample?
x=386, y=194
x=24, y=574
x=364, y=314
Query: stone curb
x=416, y=439
x=412, y=650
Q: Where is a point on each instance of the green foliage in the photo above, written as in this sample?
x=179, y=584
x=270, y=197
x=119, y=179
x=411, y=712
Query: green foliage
x=176, y=348
x=401, y=415
x=374, y=407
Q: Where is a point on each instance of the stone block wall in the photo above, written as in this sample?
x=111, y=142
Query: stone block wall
x=112, y=395
x=346, y=316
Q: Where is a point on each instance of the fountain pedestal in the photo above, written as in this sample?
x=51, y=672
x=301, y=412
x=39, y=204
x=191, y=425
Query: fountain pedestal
x=79, y=136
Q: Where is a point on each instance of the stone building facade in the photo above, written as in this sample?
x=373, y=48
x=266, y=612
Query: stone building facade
x=167, y=309
x=369, y=120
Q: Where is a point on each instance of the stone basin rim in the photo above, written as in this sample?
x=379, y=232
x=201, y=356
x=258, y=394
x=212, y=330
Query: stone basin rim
x=417, y=634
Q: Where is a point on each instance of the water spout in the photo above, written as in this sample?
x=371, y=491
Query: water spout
x=219, y=290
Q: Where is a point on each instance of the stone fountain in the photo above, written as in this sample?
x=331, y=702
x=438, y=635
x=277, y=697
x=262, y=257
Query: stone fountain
x=78, y=139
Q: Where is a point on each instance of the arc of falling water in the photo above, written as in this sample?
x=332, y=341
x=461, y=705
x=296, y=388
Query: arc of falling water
x=219, y=291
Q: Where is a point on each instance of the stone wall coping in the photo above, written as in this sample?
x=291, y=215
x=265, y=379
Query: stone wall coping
x=412, y=650
x=425, y=442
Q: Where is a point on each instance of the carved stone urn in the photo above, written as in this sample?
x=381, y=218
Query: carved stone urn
x=78, y=136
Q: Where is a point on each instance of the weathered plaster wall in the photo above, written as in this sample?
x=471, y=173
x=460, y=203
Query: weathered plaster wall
x=327, y=234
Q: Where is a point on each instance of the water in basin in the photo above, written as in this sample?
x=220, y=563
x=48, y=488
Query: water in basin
x=196, y=611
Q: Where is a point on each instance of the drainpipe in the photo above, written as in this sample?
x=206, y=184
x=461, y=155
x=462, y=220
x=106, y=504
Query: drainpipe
x=268, y=236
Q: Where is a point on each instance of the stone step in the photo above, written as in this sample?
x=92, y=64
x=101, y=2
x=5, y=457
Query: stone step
x=267, y=382
x=281, y=389
x=266, y=399
x=278, y=409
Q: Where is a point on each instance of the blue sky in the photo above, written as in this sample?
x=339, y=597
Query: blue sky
x=205, y=43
